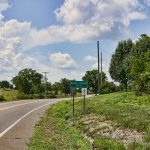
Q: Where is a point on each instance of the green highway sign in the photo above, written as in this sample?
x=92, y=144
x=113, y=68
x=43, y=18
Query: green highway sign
x=79, y=84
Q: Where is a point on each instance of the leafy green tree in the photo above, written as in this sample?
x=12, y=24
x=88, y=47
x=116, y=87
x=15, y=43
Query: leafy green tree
x=109, y=87
x=92, y=78
x=37, y=89
x=49, y=87
x=56, y=87
x=131, y=64
x=140, y=73
x=118, y=70
x=141, y=46
x=140, y=68
x=65, y=83
x=27, y=80
x=5, y=84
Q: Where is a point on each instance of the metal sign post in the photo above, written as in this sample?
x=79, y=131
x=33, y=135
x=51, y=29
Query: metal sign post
x=84, y=103
x=84, y=93
x=73, y=105
x=79, y=85
x=73, y=90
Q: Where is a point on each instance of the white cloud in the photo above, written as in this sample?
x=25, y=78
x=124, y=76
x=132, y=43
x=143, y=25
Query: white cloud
x=147, y=2
x=62, y=61
x=11, y=67
x=96, y=11
x=20, y=62
x=98, y=18
x=3, y=6
x=90, y=58
x=81, y=21
x=137, y=16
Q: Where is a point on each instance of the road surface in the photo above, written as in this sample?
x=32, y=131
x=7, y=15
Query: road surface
x=17, y=121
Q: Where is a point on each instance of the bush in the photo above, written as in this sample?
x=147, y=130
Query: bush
x=53, y=96
x=142, y=85
x=108, y=87
x=2, y=98
x=39, y=96
x=22, y=96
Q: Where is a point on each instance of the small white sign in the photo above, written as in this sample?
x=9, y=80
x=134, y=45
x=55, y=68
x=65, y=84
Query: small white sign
x=84, y=91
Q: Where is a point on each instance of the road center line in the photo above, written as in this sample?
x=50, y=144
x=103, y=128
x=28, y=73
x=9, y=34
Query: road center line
x=9, y=107
x=11, y=126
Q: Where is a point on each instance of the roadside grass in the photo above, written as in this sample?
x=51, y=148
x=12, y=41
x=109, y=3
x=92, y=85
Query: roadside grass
x=107, y=144
x=117, y=121
x=9, y=95
x=54, y=133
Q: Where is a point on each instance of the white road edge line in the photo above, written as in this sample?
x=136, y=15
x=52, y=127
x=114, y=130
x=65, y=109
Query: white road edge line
x=10, y=127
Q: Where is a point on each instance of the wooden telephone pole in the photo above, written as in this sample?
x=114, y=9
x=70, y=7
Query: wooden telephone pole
x=100, y=78
x=98, y=68
x=45, y=78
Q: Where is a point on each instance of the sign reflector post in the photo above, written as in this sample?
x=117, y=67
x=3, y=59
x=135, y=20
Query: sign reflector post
x=84, y=93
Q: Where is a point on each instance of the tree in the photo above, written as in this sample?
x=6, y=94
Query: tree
x=49, y=87
x=27, y=80
x=37, y=89
x=140, y=73
x=141, y=46
x=109, y=87
x=92, y=78
x=65, y=84
x=56, y=87
x=118, y=70
x=5, y=84
x=131, y=64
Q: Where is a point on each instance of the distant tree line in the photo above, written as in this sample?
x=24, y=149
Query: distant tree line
x=92, y=78
x=32, y=84
x=130, y=64
x=5, y=84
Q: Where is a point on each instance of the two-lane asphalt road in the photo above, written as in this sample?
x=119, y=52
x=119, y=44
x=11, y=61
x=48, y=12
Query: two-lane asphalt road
x=17, y=121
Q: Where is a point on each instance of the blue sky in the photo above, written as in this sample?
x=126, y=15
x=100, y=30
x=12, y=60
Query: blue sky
x=59, y=36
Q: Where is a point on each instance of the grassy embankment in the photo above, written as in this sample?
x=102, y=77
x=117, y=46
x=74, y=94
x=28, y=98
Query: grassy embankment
x=116, y=121
x=9, y=94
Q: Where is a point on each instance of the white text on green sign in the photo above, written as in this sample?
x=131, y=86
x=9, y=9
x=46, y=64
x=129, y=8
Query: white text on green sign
x=79, y=84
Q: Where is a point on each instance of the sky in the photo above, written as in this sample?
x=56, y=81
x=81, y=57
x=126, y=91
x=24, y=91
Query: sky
x=60, y=36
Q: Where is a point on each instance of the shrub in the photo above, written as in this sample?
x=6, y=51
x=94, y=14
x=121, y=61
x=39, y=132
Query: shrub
x=108, y=87
x=53, y=96
x=22, y=96
x=143, y=84
x=2, y=98
x=39, y=96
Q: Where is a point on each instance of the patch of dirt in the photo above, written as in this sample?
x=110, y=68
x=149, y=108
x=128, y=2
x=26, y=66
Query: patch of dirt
x=96, y=125
x=125, y=135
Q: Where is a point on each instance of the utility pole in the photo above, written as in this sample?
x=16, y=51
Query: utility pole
x=98, y=68
x=101, y=71
x=45, y=83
